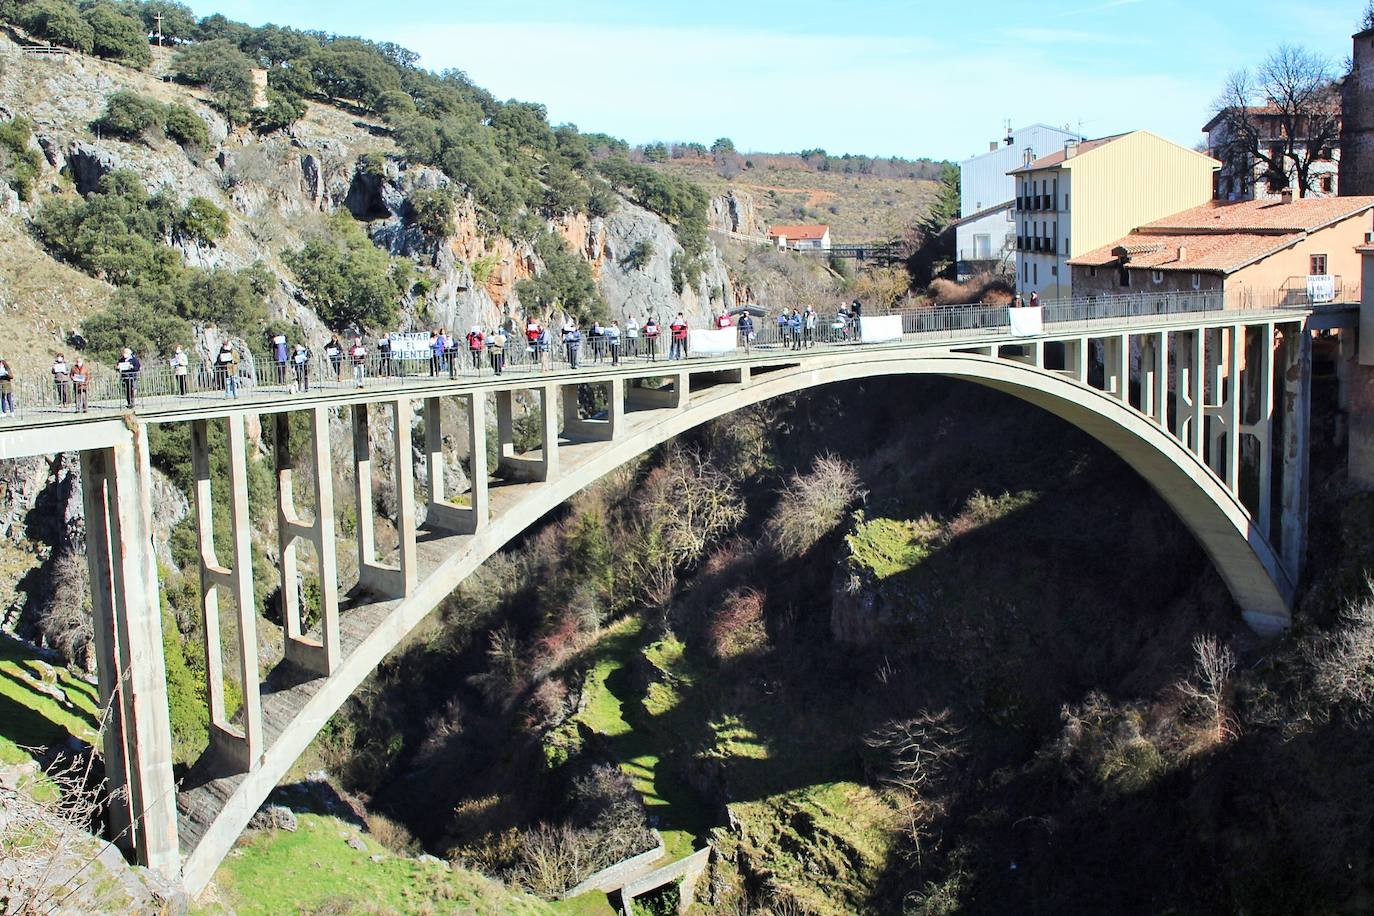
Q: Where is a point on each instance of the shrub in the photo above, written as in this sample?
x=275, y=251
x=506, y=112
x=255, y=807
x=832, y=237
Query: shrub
x=19, y=163
x=281, y=111
x=348, y=280
x=811, y=505
x=59, y=23
x=737, y=628
x=639, y=256
x=1342, y=662
x=202, y=220
x=130, y=116
x=223, y=69
x=118, y=36
x=565, y=281
x=433, y=211
x=186, y=127
x=131, y=323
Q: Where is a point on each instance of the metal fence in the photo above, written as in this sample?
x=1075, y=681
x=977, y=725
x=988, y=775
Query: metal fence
x=158, y=385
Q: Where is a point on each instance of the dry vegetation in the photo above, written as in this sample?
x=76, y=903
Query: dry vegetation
x=858, y=208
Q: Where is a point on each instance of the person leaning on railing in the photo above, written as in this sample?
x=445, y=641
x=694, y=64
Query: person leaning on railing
x=61, y=379
x=300, y=359
x=81, y=385
x=6, y=390
x=180, y=368
x=129, y=367
x=358, y=354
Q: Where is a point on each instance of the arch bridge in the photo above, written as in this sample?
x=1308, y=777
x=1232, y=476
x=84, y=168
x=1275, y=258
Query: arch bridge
x=1210, y=406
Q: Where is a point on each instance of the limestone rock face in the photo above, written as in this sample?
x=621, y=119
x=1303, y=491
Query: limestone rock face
x=88, y=163
x=734, y=212
x=648, y=290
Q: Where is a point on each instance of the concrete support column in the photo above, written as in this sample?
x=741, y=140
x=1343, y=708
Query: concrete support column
x=1116, y=356
x=404, y=469
x=1230, y=410
x=1076, y=359
x=1188, y=362
x=380, y=578
x=522, y=467
x=477, y=460
x=1154, y=377
x=605, y=430
x=1262, y=428
x=114, y=693
x=237, y=745
x=320, y=655
x=1297, y=411
x=548, y=408
x=137, y=644
x=1346, y=366
x=441, y=513
x=654, y=398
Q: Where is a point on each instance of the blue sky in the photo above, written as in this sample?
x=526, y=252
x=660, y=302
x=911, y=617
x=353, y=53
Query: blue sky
x=863, y=76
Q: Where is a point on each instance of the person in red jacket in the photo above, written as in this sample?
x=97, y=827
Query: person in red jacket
x=678, y=327
x=477, y=342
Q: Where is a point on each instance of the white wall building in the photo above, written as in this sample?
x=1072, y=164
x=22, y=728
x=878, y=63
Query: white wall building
x=985, y=235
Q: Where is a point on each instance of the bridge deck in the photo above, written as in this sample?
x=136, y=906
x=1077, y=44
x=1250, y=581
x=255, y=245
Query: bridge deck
x=278, y=398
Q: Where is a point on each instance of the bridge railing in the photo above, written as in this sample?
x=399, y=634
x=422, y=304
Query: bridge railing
x=158, y=384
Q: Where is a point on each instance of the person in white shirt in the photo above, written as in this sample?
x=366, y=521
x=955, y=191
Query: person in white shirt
x=358, y=354
x=61, y=378
x=180, y=368
x=631, y=336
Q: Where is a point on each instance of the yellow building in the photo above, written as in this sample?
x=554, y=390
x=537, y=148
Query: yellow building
x=1093, y=192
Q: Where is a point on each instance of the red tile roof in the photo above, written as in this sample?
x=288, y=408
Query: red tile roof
x=1212, y=253
x=1259, y=216
x=1222, y=237
x=798, y=233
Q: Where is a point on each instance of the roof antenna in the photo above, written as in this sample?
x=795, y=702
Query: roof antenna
x=1010, y=139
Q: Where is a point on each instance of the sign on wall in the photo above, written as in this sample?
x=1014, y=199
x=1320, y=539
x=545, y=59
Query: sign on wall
x=1321, y=288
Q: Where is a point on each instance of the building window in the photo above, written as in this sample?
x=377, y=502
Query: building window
x=1035, y=274
x=1123, y=278
x=1197, y=281
x=1316, y=265
x=1092, y=271
x=1157, y=276
x=1327, y=185
x=1054, y=270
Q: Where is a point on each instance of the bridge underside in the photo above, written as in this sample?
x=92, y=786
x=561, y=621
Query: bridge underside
x=1196, y=410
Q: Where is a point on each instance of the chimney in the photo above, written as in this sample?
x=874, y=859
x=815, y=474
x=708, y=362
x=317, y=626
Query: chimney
x=1286, y=196
x=1182, y=253
x=1070, y=149
x=992, y=146
x=1028, y=156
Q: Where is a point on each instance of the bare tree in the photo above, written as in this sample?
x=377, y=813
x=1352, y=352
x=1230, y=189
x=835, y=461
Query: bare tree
x=1213, y=665
x=1285, y=118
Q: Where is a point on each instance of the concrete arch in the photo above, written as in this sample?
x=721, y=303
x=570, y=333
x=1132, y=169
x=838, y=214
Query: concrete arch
x=1247, y=563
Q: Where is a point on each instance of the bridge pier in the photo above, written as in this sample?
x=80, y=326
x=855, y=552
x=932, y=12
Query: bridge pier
x=127, y=612
x=373, y=575
x=239, y=745
x=590, y=430
x=321, y=655
x=1262, y=429
x=440, y=513
x=673, y=398
x=1154, y=377
x=1188, y=389
x=1297, y=415
x=519, y=467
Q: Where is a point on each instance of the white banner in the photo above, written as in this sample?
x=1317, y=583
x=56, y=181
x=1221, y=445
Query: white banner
x=1027, y=321
x=880, y=328
x=1321, y=288
x=713, y=342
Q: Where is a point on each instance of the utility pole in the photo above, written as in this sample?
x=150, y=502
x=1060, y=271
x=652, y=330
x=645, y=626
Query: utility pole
x=157, y=25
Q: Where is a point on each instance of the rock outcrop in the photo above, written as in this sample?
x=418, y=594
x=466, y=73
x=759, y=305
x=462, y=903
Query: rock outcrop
x=734, y=212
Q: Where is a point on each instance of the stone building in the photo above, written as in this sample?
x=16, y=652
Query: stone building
x=1357, y=128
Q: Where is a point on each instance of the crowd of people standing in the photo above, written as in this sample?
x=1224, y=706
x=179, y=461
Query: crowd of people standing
x=290, y=364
